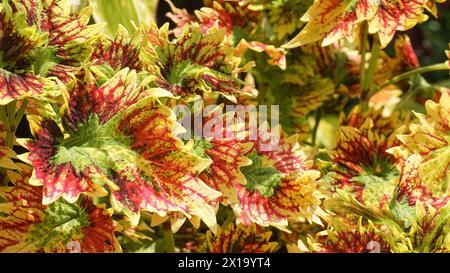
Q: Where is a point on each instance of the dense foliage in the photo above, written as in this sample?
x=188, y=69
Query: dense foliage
x=361, y=162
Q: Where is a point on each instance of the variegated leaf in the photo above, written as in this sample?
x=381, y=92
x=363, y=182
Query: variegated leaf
x=280, y=185
x=331, y=20
x=240, y=239
x=193, y=63
x=29, y=226
x=116, y=140
x=430, y=139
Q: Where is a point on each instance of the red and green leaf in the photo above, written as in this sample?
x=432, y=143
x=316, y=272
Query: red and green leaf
x=121, y=52
x=223, y=14
x=357, y=238
x=112, y=142
x=240, y=239
x=331, y=20
x=166, y=180
x=17, y=42
x=410, y=188
x=430, y=140
x=226, y=148
x=6, y=153
x=69, y=35
x=29, y=226
x=282, y=15
x=361, y=164
x=280, y=185
x=193, y=63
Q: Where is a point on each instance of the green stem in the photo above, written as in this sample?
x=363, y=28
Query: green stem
x=362, y=66
x=318, y=117
x=420, y=70
x=230, y=219
x=4, y=116
x=169, y=243
x=10, y=124
x=21, y=111
x=368, y=78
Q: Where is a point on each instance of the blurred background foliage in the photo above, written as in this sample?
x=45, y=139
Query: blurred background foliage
x=429, y=39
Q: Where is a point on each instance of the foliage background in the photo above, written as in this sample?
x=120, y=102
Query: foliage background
x=429, y=39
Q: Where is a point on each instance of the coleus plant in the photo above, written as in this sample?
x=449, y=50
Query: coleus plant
x=361, y=157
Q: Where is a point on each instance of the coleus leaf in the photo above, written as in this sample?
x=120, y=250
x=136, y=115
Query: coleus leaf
x=29, y=226
x=300, y=89
x=429, y=232
x=261, y=177
x=240, y=239
x=51, y=163
x=382, y=124
x=228, y=15
x=17, y=41
x=403, y=228
x=68, y=31
x=140, y=238
x=331, y=20
x=277, y=55
x=117, y=140
x=6, y=156
x=345, y=204
x=15, y=31
x=193, y=63
x=430, y=140
x=299, y=104
x=432, y=7
x=426, y=230
x=405, y=59
x=169, y=182
x=15, y=87
x=410, y=189
x=286, y=188
x=343, y=236
x=226, y=153
x=121, y=52
x=282, y=15
x=361, y=164
x=405, y=52
x=8, y=166
x=189, y=240
x=294, y=196
x=180, y=17
x=69, y=35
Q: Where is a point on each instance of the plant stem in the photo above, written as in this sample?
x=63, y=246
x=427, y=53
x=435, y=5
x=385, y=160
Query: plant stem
x=4, y=116
x=362, y=66
x=230, y=219
x=318, y=117
x=11, y=129
x=368, y=78
x=20, y=112
x=169, y=243
x=420, y=70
